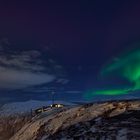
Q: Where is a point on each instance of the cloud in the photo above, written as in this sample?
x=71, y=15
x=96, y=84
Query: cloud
x=22, y=69
x=73, y=91
x=16, y=79
x=27, y=60
x=38, y=89
x=62, y=81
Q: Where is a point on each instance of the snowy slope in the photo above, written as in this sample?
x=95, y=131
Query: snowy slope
x=23, y=107
x=109, y=120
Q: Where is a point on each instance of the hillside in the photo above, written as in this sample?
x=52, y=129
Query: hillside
x=107, y=120
x=14, y=116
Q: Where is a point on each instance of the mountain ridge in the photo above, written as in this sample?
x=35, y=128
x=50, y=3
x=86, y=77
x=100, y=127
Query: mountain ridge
x=106, y=120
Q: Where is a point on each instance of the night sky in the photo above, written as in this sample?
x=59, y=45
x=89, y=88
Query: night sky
x=81, y=50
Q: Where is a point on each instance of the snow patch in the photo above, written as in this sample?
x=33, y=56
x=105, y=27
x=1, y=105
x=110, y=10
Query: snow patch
x=25, y=107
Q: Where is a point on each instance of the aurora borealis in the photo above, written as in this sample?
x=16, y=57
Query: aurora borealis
x=127, y=66
x=113, y=92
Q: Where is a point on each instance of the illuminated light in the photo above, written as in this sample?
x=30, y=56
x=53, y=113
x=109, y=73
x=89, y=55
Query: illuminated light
x=57, y=105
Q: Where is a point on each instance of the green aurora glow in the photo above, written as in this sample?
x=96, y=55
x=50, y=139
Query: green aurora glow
x=127, y=66
x=113, y=92
x=109, y=92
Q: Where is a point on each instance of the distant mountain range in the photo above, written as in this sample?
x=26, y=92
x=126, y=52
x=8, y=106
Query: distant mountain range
x=26, y=107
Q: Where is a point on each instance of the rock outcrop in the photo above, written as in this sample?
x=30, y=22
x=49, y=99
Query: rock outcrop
x=113, y=120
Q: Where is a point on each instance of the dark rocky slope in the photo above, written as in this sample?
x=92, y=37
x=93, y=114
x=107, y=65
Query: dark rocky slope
x=115, y=120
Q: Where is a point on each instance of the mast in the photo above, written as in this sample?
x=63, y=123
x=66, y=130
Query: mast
x=53, y=93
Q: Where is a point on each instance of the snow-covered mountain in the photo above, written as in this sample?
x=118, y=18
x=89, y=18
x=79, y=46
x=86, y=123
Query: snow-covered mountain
x=25, y=107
